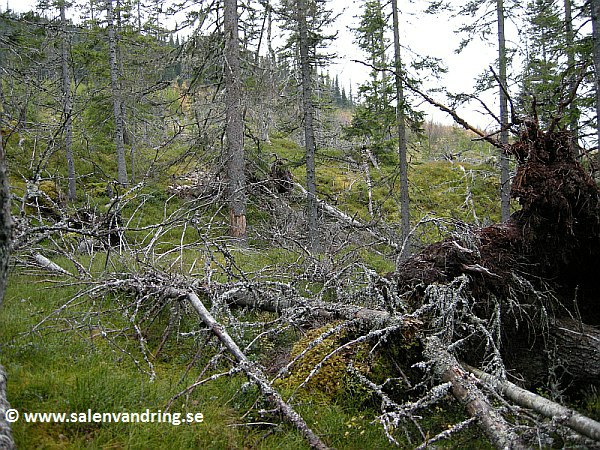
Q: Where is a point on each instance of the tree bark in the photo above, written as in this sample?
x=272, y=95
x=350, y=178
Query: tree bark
x=401, y=131
x=6, y=439
x=234, y=124
x=578, y=422
x=368, y=317
x=68, y=105
x=308, y=122
x=447, y=368
x=504, y=163
x=596, y=56
x=117, y=95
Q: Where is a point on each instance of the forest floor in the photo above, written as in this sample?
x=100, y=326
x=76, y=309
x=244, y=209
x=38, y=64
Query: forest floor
x=71, y=345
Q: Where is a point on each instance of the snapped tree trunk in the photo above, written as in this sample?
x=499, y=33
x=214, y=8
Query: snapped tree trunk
x=235, y=125
x=117, y=95
x=308, y=122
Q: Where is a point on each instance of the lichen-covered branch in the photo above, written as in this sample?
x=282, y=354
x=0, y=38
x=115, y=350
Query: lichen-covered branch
x=464, y=389
x=251, y=369
x=578, y=422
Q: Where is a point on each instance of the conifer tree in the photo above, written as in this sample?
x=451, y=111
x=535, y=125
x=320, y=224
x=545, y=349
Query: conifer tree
x=487, y=18
x=542, y=74
x=234, y=123
x=67, y=103
x=117, y=93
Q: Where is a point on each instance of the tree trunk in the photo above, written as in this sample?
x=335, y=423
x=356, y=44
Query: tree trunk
x=401, y=129
x=308, y=119
x=6, y=440
x=596, y=55
x=582, y=424
x=504, y=166
x=117, y=95
x=68, y=104
x=368, y=181
x=447, y=368
x=569, y=41
x=235, y=125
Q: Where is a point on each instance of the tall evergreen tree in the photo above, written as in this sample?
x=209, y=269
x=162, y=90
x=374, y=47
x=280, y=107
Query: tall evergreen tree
x=542, y=74
x=374, y=118
x=67, y=102
x=117, y=93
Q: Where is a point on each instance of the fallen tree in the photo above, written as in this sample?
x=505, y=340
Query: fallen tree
x=532, y=278
x=509, y=298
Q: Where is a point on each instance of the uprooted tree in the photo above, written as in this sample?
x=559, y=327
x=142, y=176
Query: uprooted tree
x=517, y=300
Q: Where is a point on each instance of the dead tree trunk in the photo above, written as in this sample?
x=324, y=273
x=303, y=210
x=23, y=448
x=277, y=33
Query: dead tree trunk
x=234, y=126
x=117, y=95
x=542, y=405
x=67, y=103
x=6, y=440
x=308, y=108
x=447, y=368
x=251, y=369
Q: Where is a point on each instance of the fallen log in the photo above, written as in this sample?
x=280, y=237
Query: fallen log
x=372, y=318
x=251, y=369
x=464, y=389
x=573, y=341
x=576, y=421
x=351, y=221
x=50, y=265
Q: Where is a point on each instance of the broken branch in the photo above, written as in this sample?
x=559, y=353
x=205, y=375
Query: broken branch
x=251, y=369
x=547, y=408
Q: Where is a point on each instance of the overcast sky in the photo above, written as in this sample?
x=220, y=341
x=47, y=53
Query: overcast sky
x=421, y=33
